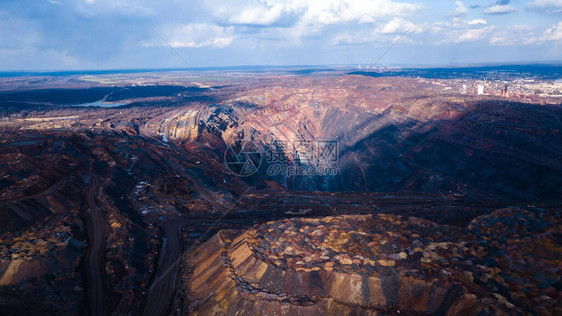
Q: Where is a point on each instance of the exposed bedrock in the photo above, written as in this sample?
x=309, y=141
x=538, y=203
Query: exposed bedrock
x=388, y=141
x=375, y=265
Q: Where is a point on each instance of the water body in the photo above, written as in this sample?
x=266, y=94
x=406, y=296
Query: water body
x=101, y=104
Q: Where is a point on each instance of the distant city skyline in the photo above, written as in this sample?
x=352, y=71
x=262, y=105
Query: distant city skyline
x=127, y=34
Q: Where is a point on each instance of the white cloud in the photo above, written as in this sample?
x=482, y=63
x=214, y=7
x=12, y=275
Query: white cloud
x=549, y=6
x=520, y=28
x=460, y=9
x=514, y=35
x=263, y=15
x=500, y=9
x=500, y=38
x=362, y=11
x=471, y=35
x=300, y=22
x=196, y=36
x=459, y=30
x=272, y=31
x=553, y=34
x=316, y=12
x=397, y=25
x=477, y=21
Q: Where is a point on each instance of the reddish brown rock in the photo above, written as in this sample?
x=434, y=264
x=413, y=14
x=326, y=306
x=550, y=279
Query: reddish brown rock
x=367, y=266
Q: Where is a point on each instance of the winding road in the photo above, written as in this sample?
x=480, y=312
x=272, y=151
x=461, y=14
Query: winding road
x=93, y=262
x=164, y=285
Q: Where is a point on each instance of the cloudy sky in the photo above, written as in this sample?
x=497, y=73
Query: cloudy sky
x=109, y=34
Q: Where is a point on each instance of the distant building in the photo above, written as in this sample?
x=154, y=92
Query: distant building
x=480, y=90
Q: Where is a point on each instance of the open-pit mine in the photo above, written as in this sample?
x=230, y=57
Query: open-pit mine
x=281, y=192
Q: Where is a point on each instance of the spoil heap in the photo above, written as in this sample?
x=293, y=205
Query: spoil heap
x=506, y=262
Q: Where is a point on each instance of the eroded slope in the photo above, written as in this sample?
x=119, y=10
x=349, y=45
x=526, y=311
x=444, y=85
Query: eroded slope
x=507, y=262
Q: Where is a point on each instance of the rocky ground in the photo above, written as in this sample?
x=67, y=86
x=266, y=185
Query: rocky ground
x=504, y=263
x=98, y=203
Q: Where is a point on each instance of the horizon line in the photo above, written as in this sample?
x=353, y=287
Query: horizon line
x=264, y=66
